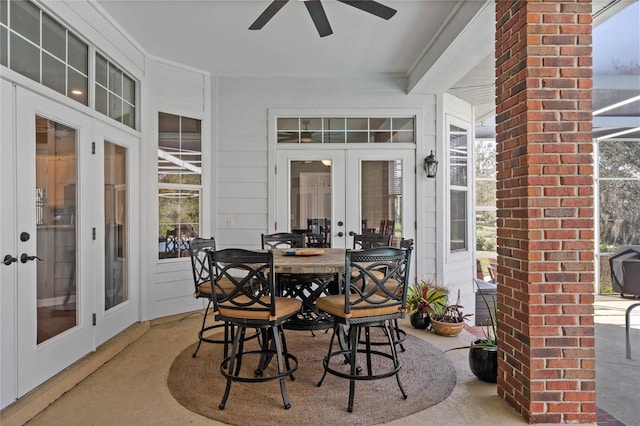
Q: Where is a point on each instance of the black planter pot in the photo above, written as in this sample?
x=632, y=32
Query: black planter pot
x=484, y=362
x=419, y=320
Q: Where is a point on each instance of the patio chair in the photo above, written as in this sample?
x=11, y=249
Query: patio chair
x=251, y=302
x=283, y=240
x=369, y=302
x=198, y=251
x=370, y=240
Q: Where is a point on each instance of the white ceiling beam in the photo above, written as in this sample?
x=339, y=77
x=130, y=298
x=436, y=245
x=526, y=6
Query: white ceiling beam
x=465, y=40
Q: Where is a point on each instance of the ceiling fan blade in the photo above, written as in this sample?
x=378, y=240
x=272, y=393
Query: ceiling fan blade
x=372, y=7
x=268, y=13
x=319, y=17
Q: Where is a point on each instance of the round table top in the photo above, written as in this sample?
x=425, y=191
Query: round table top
x=329, y=262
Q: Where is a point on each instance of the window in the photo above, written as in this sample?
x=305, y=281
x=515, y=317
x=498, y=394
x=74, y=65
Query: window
x=346, y=130
x=485, y=153
x=458, y=191
x=35, y=45
x=618, y=194
x=179, y=183
x=115, y=92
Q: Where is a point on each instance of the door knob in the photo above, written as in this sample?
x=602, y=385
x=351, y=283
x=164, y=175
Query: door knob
x=24, y=258
x=352, y=233
x=8, y=260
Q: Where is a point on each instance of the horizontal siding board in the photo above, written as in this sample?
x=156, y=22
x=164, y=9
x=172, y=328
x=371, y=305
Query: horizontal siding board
x=255, y=190
x=242, y=205
x=237, y=174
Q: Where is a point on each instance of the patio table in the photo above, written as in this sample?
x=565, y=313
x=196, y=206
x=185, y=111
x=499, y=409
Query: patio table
x=308, y=277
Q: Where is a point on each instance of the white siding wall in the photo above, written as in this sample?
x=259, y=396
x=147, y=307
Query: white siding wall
x=178, y=90
x=242, y=132
x=457, y=268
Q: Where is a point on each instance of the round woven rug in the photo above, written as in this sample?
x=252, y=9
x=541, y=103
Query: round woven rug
x=427, y=376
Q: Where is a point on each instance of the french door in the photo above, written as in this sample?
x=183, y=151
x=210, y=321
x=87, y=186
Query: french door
x=353, y=190
x=54, y=286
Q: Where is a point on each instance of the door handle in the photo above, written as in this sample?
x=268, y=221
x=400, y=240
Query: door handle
x=24, y=258
x=351, y=233
x=340, y=234
x=8, y=260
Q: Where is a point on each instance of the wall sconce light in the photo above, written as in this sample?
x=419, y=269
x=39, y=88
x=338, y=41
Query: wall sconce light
x=431, y=165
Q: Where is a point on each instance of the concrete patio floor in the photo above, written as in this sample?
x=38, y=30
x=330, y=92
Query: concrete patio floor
x=131, y=389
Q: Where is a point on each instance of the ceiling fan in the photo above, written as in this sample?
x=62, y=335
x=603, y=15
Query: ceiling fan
x=319, y=17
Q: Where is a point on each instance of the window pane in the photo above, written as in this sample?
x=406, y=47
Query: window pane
x=116, y=289
x=3, y=11
x=128, y=115
x=486, y=231
x=334, y=124
x=101, y=70
x=357, y=124
x=619, y=159
x=334, y=137
x=458, y=156
x=168, y=148
x=101, y=100
x=381, y=197
x=485, y=193
x=25, y=58
x=486, y=159
x=53, y=73
x=78, y=86
x=357, y=137
x=380, y=123
x=380, y=137
x=619, y=212
x=115, y=107
x=54, y=38
x=190, y=155
x=115, y=80
x=179, y=219
x=311, y=123
x=458, y=220
x=3, y=46
x=78, y=54
x=25, y=19
x=403, y=137
x=129, y=89
x=403, y=124
x=288, y=124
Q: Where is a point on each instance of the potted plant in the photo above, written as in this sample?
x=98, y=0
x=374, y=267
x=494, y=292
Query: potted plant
x=483, y=353
x=448, y=320
x=422, y=299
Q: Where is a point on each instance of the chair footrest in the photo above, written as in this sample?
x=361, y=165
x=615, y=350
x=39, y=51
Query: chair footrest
x=248, y=374
x=345, y=373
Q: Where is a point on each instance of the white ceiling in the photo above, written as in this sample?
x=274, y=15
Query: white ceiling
x=213, y=35
x=435, y=44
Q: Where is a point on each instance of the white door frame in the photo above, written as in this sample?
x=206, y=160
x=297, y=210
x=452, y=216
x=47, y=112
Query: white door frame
x=37, y=363
x=8, y=247
x=111, y=322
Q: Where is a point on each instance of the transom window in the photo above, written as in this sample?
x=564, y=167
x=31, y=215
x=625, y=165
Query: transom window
x=35, y=45
x=115, y=92
x=298, y=130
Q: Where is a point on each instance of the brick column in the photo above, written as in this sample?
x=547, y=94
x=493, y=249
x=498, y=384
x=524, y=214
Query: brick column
x=545, y=210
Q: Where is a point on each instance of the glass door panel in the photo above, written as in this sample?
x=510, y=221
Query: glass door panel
x=381, y=197
x=56, y=200
x=346, y=192
x=116, y=289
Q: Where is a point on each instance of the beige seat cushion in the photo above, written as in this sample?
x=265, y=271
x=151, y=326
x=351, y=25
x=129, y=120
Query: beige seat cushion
x=204, y=289
x=285, y=306
x=334, y=305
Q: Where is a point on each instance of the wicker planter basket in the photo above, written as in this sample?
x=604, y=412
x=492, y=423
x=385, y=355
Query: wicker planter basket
x=446, y=328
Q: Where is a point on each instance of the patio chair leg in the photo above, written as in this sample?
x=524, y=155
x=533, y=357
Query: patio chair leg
x=627, y=324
